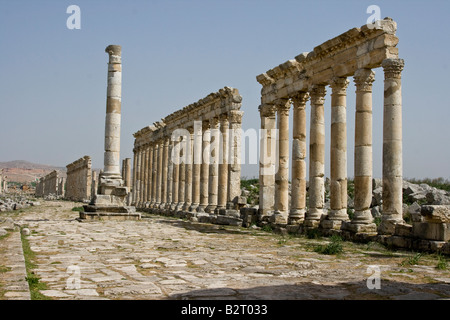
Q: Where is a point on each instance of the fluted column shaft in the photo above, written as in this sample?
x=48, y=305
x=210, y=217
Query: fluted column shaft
x=145, y=175
x=392, y=146
x=298, y=185
x=159, y=172
x=204, y=174
x=154, y=174
x=169, y=175
x=188, y=170
x=182, y=173
x=234, y=166
x=135, y=162
x=267, y=161
x=317, y=155
x=338, y=150
x=213, y=166
x=363, y=146
x=223, y=163
x=282, y=175
x=175, y=172
x=196, y=167
x=165, y=164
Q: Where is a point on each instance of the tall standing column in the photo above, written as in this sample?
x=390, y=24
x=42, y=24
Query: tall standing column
x=282, y=176
x=363, y=150
x=150, y=175
x=164, y=173
x=188, y=170
x=126, y=165
x=214, y=166
x=298, y=185
x=159, y=173
x=175, y=172
x=139, y=177
x=169, y=175
x=111, y=176
x=154, y=174
x=268, y=136
x=234, y=177
x=196, y=167
x=392, y=146
x=317, y=157
x=338, y=153
x=135, y=163
x=223, y=164
x=145, y=176
x=204, y=174
x=182, y=174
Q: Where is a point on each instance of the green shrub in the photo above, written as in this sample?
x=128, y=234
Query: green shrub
x=334, y=247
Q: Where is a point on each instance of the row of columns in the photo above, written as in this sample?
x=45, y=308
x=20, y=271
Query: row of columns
x=205, y=179
x=277, y=208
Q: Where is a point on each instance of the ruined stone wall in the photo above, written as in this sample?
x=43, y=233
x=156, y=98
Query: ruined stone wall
x=49, y=185
x=79, y=180
x=189, y=162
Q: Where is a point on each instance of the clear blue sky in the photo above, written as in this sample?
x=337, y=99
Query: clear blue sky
x=53, y=80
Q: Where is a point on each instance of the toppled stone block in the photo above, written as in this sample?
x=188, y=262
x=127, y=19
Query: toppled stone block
x=436, y=213
x=403, y=230
x=431, y=231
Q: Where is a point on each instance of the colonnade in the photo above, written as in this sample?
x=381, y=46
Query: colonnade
x=354, y=54
x=190, y=160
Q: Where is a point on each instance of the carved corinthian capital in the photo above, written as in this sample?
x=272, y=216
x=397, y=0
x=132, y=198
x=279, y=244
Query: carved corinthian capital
x=363, y=79
x=393, y=68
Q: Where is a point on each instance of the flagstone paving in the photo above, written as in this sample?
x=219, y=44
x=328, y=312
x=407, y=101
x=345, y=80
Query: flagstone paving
x=165, y=258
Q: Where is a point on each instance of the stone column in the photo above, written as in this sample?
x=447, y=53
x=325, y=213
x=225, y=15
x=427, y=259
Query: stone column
x=298, y=185
x=150, y=175
x=392, y=146
x=154, y=182
x=164, y=173
x=182, y=174
x=196, y=167
x=223, y=164
x=126, y=165
x=234, y=177
x=188, y=171
x=362, y=220
x=138, y=177
x=338, y=154
x=159, y=173
x=111, y=171
x=317, y=157
x=175, y=172
x=145, y=176
x=204, y=174
x=214, y=166
x=282, y=176
x=169, y=175
x=135, y=160
x=267, y=159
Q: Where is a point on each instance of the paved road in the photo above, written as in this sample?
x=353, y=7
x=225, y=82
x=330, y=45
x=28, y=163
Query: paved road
x=165, y=258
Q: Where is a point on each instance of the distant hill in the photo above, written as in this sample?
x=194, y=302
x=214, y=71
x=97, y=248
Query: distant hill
x=25, y=172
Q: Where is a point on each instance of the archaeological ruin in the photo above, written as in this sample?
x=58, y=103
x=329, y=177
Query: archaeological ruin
x=109, y=202
x=188, y=163
x=51, y=185
x=3, y=183
x=79, y=181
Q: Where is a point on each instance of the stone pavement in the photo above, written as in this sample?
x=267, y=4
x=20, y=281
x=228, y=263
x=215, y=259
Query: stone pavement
x=166, y=258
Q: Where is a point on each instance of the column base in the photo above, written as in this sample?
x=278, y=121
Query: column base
x=370, y=228
x=211, y=208
x=296, y=217
x=331, y=224
x=311, y=224
x=279, y=217
x=387, y=225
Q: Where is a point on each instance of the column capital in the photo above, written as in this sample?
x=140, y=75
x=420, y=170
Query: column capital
x=205, y=124
x=267, y=110
x=299, y=99
x=223, y=118
x=317, y=93
x=363, y=79
x=235, y=116
x=283, y=106
x=214, y=122
x=339, y=85
x=393, y=68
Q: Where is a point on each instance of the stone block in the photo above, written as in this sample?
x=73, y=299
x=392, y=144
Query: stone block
x=431, y=231
x=400, y=242
x=403, y=230
x=359, y=228
x=436, y=213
